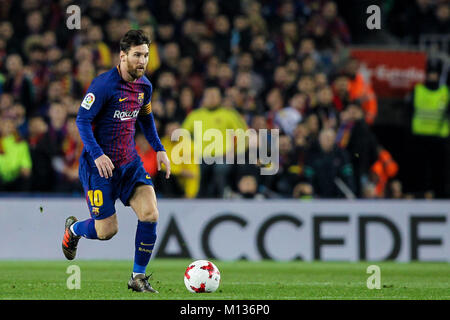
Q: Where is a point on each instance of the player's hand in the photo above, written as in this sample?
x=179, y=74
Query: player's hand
x=105, y=166
x=161, y=157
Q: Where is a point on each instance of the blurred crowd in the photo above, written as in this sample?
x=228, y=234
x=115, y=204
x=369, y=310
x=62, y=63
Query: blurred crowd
x=260, y=64
x=409, y=21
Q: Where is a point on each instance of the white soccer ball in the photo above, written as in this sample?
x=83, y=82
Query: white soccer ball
x=202, y=276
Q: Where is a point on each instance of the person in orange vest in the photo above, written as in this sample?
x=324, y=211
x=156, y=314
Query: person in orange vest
x=384, y=169
x=359, y=89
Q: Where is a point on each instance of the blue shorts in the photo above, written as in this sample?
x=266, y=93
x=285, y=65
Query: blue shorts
x=101, y=193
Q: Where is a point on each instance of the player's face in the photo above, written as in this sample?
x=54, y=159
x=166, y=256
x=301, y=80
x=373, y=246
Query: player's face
x=137, y=59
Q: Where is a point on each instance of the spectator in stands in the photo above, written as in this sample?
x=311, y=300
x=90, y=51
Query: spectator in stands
x=214, y=171
x=359, y=89
x=354, y=135
x=42, y=151
x=313, y=126
x=274, y=103
x=307, y=48
x=72, y=147
x=288, y=118
x=324, y=109
x=222, y=38
x=419, y=11
x=442, y=13
x=6, y=101
x=224, y=76
x=186, y=101
x=303, y=191
x=12, y=42
x=262, y=56
x=170, y=57
x=384, y=169
x=15, y=160
x=307, y=85
x=334, y=23
x=20, y=120
x=430, y=129
x=185, y=173
x=85, y=73
x=289, y=39
x=341, y=94
x=328, y=29
x=57, y=123
x=64, y=74
x=38, y=71
x=395, y=189
x=101, y=52
x=247, y=188
x=287, y=176
x=17, y=84
x=329, y=169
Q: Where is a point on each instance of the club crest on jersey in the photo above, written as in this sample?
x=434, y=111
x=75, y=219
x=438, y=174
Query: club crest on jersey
x=141, y=98
x=125, y=115
x=88, y=101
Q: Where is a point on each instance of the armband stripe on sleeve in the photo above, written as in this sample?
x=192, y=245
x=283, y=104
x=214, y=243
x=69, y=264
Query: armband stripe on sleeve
x=147, y=109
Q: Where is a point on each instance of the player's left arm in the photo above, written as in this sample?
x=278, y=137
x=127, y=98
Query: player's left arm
x=147, y=123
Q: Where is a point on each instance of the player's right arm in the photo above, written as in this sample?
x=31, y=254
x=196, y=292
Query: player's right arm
x=91, y=105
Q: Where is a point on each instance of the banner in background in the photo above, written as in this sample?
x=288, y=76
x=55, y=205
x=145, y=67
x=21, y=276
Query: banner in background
x=392, y=73
x=253, y=230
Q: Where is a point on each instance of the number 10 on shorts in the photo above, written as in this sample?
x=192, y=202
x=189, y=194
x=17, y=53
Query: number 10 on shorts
x=95, y=197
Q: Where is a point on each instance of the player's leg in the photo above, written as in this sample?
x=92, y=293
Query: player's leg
x=143, y=202
x=107, y=228
x=137, y=191
x=102, y=225
x=103, y=229
x=100, y=198
x=91, y=228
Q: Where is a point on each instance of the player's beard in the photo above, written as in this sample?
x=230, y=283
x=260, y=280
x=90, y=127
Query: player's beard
x=135, y=72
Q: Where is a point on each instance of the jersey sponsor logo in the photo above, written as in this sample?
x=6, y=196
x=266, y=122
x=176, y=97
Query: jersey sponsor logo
x=125, y=115
x=88, y=101
x=123, y=99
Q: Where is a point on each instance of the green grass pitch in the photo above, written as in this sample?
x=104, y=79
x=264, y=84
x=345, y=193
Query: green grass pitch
x=242, y=280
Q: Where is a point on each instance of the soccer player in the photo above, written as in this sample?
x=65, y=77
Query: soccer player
x=110, y=167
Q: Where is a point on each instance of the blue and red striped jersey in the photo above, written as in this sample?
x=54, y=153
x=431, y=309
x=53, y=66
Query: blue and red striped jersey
x=107, y=117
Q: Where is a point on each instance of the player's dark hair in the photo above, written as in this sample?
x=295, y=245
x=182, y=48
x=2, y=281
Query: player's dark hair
x=133, y=38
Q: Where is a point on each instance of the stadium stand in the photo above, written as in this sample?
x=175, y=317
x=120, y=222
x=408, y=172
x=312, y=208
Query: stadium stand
x=283, y=65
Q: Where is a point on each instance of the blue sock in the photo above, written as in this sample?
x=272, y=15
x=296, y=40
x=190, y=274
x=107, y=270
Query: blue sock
x=144, y=243
x=85, y=228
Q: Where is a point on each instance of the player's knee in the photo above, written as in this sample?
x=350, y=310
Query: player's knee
x=107, y=233
x=150, y=215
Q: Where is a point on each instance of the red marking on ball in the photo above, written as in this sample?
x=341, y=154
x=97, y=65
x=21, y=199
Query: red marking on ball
x=209, y=268
x=186, y=273
x=199, y=290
